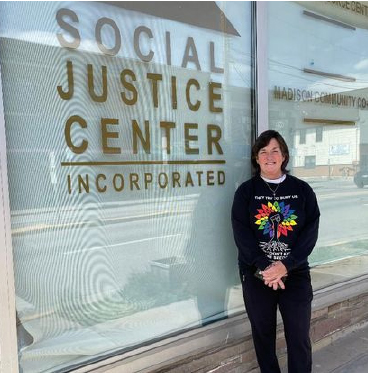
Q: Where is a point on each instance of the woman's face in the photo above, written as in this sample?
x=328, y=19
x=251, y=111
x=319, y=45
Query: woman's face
x=270, y=159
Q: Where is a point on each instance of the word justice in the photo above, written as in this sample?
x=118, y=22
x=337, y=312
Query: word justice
x=130, y=94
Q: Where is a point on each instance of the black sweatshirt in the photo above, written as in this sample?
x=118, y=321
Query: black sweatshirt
x=268, y=229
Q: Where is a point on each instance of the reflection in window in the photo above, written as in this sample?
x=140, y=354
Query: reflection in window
x=310, y=161
x=323, y=85
x=121, y=232
x=319, y=134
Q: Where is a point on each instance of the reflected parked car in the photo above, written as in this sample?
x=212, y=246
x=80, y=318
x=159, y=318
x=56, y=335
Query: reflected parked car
x=361, y=178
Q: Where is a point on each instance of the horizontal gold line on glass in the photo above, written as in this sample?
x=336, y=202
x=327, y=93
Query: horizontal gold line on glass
x=127, y=163
x=328, y=121
x=344, y=78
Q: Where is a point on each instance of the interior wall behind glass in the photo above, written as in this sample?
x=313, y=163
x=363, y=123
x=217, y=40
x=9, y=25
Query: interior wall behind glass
x=319, y=102
x=128, y=131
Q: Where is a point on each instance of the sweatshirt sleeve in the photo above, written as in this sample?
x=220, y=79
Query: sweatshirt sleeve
x=245, y=240
x=308, y=236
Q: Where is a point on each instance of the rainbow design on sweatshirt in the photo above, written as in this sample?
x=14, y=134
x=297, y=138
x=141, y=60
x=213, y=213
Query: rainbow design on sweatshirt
x=276, y=216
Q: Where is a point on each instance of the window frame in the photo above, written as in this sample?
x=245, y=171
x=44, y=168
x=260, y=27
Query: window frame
x=260, y=39
x=8, y=332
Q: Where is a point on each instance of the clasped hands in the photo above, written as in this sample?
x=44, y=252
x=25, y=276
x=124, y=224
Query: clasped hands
x=273, y=274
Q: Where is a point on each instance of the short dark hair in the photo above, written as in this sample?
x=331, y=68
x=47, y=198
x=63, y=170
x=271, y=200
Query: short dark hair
x=263, y=140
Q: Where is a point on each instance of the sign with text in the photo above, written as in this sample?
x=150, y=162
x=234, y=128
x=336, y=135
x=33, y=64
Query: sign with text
x=155, y=115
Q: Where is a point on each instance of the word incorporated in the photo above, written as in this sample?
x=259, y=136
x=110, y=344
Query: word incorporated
x=118, y=182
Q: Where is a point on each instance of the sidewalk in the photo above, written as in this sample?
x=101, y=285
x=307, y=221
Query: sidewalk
x=348, y=354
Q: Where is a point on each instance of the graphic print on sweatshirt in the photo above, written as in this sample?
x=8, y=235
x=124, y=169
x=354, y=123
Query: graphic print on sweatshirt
x=276, y=220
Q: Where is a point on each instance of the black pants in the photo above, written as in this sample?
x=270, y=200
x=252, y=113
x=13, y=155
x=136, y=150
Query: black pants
x=294, y=303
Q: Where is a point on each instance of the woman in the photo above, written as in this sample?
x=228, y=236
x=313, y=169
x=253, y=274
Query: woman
x=275, y=219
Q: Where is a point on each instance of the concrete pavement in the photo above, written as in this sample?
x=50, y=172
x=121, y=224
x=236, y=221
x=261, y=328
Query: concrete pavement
x=347, y=354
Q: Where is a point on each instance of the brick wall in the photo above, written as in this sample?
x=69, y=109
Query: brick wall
x=330, y=320
x=238, y=356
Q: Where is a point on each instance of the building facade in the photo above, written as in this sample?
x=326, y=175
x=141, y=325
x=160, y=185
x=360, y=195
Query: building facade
x=126, y=128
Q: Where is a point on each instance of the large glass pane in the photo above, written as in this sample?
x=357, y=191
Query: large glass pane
x=128, y=131
x=318, y=100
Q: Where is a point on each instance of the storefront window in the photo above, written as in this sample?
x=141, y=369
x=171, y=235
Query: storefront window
x=128, y=130
x=319, y=101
